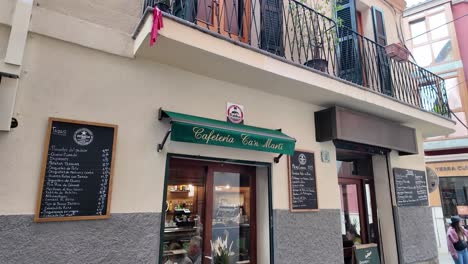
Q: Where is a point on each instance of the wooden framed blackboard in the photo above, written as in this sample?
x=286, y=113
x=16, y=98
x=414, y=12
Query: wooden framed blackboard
x=302, y=182
x=77, y=169
x=410, y=187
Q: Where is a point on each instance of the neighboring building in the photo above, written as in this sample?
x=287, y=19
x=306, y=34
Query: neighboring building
x=301, y=82
x=442, y=47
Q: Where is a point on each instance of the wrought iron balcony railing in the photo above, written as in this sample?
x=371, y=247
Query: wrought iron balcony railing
x=292, y=30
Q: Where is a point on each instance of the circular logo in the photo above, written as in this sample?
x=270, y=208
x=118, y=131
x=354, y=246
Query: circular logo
x=235, y=114
x=83, y=136
x=302, y=159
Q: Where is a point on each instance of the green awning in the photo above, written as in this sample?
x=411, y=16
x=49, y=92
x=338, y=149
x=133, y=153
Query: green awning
x=199, y=130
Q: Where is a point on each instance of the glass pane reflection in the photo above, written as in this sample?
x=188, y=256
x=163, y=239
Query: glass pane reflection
x=350, y=219
x=231, y=216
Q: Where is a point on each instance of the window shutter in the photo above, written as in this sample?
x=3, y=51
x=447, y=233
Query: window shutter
x=272, y=27
x=347, y=13
x=349, y=54
x=379, y=27
x=383, y=61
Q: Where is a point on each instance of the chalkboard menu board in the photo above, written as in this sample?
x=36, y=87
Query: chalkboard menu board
x=410, y=187
x=366, y=254
x=302, y=182
x=76, y=180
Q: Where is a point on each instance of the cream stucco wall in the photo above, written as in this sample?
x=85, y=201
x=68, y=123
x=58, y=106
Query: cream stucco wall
x=69, y=81
x=187, y=46
x=60, y=79
x=392, y=19
x=121, y=15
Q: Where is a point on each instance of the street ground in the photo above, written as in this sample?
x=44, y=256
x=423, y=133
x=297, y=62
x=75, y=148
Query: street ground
x=445, y=258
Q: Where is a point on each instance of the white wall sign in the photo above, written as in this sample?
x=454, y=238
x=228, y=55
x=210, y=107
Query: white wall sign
x=235, y=113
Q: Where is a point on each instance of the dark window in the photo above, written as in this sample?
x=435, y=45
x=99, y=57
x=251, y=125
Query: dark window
x=454, y=196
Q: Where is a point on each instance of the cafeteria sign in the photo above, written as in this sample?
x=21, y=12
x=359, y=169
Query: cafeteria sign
x=206, y=131
x=229, y=138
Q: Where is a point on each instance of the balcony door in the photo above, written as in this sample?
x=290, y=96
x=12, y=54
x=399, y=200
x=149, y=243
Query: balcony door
x=231, y=18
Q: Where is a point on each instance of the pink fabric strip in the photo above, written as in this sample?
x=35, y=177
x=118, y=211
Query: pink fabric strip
x=157, y=25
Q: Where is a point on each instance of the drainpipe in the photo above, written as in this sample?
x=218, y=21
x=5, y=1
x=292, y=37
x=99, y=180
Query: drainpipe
x=10, y=66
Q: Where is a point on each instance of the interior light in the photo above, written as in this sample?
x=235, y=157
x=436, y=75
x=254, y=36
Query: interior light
x=191, y=190
x=228, y=186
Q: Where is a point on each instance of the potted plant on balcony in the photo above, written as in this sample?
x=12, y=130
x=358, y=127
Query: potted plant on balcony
x=318, y=60
x=397, y=52
x=309, y=32
x=164, y=5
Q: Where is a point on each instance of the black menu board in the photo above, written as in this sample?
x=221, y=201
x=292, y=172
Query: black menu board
x=302, y=182
x=76, y=180
x=410, y=187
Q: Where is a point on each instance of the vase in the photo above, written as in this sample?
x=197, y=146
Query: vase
x=224, y=260
x=318, y=64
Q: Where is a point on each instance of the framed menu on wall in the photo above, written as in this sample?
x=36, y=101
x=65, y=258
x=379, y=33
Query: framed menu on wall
x=410, y=187
x=77, y=170
x=302, y=182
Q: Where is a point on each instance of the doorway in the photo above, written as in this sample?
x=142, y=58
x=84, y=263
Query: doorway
x=208, y=204
x=358, y=203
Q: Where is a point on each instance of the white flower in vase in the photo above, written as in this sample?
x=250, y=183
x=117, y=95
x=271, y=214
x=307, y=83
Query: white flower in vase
x=220, y=250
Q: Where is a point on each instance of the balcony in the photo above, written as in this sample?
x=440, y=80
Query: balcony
x=294, y=33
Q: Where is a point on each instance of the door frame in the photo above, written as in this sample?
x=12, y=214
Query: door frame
x=204, y=159
x=362, y=211
x=362, y=181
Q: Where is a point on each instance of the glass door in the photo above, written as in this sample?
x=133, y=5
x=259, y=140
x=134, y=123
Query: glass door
x=371, y=212
x=353, y=227
x=230, y=228
x=209, y=204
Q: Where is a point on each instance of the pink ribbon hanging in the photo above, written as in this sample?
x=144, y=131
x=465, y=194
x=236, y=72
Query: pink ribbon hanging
x=157, y=25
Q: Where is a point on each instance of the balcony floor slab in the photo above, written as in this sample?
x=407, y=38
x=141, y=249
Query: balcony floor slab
x=192, y=48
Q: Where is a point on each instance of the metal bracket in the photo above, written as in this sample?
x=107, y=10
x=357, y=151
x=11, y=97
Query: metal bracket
x=161, y=145
x=14, y=123
x=277, y=159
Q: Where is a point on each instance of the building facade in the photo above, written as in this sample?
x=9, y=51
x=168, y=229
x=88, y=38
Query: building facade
x=430, y=30
x=265, y=124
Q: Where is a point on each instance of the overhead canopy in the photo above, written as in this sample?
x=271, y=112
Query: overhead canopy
x=338, y=123
x=199, y=130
